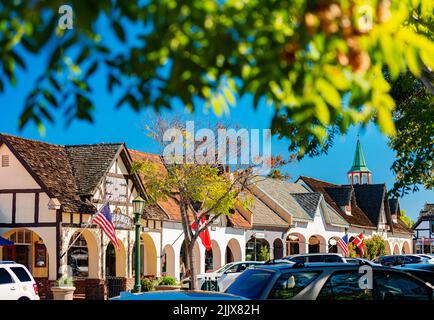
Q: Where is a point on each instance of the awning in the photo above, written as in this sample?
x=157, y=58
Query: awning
x=5, y=242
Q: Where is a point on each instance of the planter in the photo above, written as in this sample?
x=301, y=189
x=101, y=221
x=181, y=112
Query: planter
x=167, y=287
x=63, y=293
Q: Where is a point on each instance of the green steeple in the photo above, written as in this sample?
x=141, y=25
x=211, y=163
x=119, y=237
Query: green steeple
x=359, y=163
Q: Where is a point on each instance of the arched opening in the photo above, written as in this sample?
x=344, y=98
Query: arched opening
x=388, y=250
x=78, y=256
x=396, y=249
x=295, y=244
x=148, y=256
x=183, y=260
x=333, y=245
x=316, y=244
x=28, y=249
x=277, y=249
x=110, y=260
x=216, y=257
x=257, y=250
x=405, y=248
x=168, y=263
x=115, y=260
x=233, y=251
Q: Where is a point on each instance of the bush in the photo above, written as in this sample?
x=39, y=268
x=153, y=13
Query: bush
x=168, y=281
x=148, y=284
x=264, y=254
x=65, y=282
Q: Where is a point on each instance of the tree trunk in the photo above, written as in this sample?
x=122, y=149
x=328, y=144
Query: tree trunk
x=192, y=267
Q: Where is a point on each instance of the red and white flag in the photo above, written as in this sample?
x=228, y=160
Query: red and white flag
x=204, y=235
x=358, y=241
x=103, y=218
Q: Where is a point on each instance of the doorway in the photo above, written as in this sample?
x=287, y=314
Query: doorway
x=110, y=261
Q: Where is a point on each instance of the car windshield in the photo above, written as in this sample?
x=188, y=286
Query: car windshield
x=251, y=283
x=224, y=268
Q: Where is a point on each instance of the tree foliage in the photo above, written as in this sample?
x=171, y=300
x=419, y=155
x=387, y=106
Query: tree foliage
x=374, y=247
x=317, y=63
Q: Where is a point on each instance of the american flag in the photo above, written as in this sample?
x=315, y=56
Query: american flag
x=343, y=244
x=104, y=219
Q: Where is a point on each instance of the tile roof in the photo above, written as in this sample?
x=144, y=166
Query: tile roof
x=357, y=217
x=340, y=195
x=308, y=201
x=90, y=163
x=50, y=164
x=281, y=192
x=370, y=198
x=263, y=215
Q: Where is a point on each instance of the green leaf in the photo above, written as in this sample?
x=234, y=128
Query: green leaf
x=412, y=58
x=329, y=92
x=322, y=111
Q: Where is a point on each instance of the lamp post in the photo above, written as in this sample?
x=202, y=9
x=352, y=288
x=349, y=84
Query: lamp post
x=138, y=205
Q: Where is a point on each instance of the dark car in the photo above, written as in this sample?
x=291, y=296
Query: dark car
x=316, y=257
x=399, y=259
x=176, y=295
x=328, y=281
x=424, y=271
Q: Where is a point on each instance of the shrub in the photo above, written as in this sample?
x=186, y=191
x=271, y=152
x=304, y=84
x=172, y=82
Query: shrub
x=65, y=282
x=264, y=254
x=148, y=284
x=168, y=281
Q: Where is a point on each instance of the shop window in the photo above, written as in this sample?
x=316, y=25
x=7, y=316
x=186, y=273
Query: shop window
x=78, y=256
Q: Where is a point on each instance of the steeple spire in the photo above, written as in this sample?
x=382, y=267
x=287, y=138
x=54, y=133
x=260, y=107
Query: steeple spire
x=359, y=163
x=359, y=172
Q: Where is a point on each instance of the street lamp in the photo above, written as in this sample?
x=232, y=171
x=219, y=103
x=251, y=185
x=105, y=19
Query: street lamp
x=138, y=206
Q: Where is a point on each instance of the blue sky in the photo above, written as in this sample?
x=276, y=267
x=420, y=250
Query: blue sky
x=125, y=125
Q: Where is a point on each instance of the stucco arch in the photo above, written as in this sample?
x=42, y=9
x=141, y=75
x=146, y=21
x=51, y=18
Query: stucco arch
x=149, y=255
x=387, y=247
x=197, y=256
x=93, y=249
x=233, y=251
x=169, y=256
x=406, y=248
x=216, y=255
x=278, y=248
x=334, y=248
x=317, y=243
x=396, y=249
x=295, y=243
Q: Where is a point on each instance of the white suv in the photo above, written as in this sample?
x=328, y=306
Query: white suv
x=16, y=282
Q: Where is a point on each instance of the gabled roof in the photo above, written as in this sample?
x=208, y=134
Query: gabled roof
x=90, y=163
x=50, y=167
x=425, y=214
x=357, y=217
x=281, y=192
x=370, y=198
x=263, y=215
x=341, y=195
x=394, y=206
x=309, y=201
x=359, y=163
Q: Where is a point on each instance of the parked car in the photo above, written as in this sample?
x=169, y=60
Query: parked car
x=430, y=257
x=361, y=261
x=327, y=281
x=395, y=260
x=177, y=295
x=424, y=271
x=224, y=276
x=316, y=257
x=16, y=282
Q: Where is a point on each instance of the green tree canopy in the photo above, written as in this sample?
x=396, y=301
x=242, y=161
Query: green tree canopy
x=305, y=58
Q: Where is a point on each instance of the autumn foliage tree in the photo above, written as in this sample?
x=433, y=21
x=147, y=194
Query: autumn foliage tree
x=199, y=189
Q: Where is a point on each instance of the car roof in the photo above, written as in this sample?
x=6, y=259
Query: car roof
x=11, y=263
x=315, y=254
x=312, y=265
x=177, y=295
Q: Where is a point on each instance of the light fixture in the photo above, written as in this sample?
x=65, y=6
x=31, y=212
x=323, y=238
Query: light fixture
x=138, y=204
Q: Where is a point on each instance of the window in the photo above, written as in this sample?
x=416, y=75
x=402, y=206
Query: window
x=251, y=283
x=318, y=258
x=21, y=274
x=344, y=286
x=5, y=277
x=290, y=284
x=299, y=259
x=398, y=286
x=332, y=258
